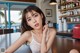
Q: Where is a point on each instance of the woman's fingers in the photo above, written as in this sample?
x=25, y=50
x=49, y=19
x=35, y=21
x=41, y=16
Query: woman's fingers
x=45, y=28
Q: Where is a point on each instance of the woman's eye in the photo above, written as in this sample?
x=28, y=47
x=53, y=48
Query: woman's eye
x=28, y=19
x=35, y=15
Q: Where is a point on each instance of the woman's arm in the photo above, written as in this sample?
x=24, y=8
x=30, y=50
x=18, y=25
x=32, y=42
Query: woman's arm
x=18, y=43
x=45, y=46
x=51, y=38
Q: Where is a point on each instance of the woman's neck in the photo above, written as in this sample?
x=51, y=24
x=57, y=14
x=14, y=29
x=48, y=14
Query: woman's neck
x=39, y=31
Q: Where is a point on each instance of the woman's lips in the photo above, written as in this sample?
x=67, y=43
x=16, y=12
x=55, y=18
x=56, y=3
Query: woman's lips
x=36, y=25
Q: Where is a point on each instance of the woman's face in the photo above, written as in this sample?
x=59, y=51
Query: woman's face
x=34, y=19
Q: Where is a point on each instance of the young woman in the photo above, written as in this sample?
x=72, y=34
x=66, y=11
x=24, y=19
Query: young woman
x=35, y=31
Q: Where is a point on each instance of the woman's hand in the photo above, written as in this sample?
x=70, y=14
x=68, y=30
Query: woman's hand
x=44, y=43
x=45, y=29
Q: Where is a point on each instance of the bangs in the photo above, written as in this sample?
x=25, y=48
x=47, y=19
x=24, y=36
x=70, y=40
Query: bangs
x=31, y=12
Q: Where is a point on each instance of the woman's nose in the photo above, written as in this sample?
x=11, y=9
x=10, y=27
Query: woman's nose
x=34, y=20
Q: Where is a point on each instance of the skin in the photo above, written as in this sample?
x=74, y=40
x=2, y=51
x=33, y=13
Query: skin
x=40, y=33
x=74, y=51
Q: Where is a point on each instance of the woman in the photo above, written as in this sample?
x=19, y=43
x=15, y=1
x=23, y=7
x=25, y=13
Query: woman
x=35, y=31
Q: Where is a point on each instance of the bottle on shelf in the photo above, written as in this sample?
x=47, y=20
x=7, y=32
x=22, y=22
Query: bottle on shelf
x=71, y=4
x=63, y=7
x=74, y=19
x=65, y=25
x=71, y=19
x=71, y=13
x=62, y=1
x=68, y=12
x=68, y=19
x=77, y=19
x=78, y=11
x=75, y=12
x=60, y=26
x=77, y=3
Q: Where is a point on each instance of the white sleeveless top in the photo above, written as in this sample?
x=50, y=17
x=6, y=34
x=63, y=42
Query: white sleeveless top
x=35, y=46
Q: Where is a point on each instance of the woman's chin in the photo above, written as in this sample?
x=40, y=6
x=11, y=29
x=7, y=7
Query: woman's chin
x=37, y=28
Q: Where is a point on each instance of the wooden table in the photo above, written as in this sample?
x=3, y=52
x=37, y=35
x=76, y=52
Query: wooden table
x=65, y=44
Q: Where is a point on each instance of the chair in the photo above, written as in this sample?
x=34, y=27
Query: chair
x=24, y=49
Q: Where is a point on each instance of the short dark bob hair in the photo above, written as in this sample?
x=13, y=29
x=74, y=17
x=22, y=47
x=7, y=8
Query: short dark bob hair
x=24, y=25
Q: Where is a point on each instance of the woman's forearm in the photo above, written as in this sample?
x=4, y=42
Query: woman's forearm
x=8, y=52
x=44, y=44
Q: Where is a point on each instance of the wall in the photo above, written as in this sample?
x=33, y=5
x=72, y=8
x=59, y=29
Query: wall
x=44, y=4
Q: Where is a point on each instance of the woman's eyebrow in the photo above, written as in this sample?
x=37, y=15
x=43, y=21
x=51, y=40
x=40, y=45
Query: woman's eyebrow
x=27, y=17
x=34, y=14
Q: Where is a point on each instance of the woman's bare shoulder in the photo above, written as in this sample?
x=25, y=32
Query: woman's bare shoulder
x=27, y=34
x=52, y=30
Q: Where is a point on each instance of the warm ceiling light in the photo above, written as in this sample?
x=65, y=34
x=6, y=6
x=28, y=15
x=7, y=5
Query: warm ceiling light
x=53, y=2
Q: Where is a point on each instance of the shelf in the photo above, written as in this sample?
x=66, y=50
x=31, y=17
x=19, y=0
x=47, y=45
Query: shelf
x=66, y=3
x=73, y=13
x=64, y=33
x=73, y=22
x=70, y=9
x=69, y=16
